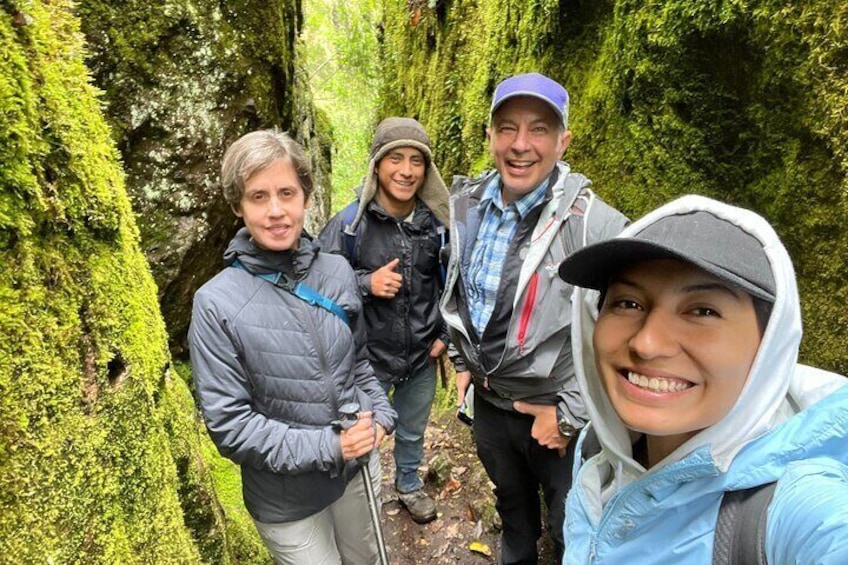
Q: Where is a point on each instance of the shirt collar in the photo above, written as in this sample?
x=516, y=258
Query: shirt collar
x=523, y=205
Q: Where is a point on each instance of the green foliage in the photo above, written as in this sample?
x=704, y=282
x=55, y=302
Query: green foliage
x=739, y=100
x=341, y=62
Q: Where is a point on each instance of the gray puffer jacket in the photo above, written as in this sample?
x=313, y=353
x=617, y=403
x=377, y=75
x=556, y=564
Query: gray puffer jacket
x=271, y=372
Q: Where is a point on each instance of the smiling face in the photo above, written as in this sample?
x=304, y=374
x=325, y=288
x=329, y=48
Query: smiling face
x=273, y=207
x=400, y=173
x=673, y=346
x=526, y=140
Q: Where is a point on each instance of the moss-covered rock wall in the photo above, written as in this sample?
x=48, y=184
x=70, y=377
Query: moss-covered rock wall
x=99, y=444
x=739, y=100
x=182, y=80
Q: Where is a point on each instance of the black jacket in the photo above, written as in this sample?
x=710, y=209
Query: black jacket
x=401, y=330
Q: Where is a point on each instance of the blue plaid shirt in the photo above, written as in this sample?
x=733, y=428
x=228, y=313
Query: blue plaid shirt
x=498, y=225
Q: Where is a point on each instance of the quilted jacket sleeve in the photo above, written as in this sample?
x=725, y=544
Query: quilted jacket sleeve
x=367, y=380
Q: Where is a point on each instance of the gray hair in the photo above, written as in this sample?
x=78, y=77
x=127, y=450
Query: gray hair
x=256, y=151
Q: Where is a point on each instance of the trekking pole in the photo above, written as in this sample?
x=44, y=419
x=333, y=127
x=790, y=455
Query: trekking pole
x=348, y=415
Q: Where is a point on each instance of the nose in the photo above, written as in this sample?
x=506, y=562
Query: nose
x=275, y=207
x=520, y=143
x=406, y=168
x=655, y=337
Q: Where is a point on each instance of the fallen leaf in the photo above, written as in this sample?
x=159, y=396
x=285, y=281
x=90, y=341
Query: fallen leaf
x=451, y=486
x=459, y=470
x=480, y=548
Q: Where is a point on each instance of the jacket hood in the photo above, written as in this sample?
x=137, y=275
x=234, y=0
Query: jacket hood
x=777, y=386
x=433, y=191
x=292, y=263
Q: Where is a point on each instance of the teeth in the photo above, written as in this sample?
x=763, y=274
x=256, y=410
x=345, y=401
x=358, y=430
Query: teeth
x=656, y=384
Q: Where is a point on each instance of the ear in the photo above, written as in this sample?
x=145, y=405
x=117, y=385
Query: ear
x=237, y=211
x=564, y=142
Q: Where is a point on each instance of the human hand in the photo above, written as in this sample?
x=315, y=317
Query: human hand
x=436, y=349
x=385, y=282
x=359, y=439
x=545, y=429
x=463, y=381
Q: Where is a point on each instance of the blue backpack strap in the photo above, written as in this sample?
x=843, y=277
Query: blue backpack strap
x=315, y=298
x=302, y=291
x=348, y=215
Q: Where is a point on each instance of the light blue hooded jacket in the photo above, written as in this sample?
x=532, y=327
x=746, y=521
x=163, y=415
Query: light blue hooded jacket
x=790, y=425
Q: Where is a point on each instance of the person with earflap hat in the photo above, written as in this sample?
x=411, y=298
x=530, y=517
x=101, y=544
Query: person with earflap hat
x=392, y=235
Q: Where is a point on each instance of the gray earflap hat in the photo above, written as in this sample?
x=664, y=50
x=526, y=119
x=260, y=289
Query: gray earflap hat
x=390, y=134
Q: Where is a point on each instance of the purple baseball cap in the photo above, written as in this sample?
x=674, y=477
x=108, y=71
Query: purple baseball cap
x=535, y=85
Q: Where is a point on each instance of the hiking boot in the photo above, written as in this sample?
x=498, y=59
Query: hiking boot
x=421, y=507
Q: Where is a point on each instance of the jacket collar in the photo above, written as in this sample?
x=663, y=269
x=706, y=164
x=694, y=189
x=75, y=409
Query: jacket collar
x=292, y=263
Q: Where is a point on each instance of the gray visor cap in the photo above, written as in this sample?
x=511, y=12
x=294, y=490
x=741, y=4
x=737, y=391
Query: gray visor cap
x=717, y=246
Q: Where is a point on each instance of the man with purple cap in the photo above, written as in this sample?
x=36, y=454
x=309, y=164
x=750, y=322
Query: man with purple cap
x=510, y=315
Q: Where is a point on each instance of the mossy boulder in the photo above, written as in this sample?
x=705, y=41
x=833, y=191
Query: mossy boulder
x=741, y=101
x=99, y=442
x=181, y=81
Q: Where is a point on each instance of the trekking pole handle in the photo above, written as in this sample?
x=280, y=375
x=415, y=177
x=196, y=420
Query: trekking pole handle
x=348, y=416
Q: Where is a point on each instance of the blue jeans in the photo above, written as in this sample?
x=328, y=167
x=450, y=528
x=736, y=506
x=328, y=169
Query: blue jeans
x=412, y=401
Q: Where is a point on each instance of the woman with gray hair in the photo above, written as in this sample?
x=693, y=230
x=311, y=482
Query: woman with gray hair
x=278, y=360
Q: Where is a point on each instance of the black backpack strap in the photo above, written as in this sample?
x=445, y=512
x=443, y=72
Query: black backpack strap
x=349, y=235
x=740, y=534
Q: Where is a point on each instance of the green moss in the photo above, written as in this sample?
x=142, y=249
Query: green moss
x=246, y=546
x=89, y=469
x=182, y=80
x=741, y=101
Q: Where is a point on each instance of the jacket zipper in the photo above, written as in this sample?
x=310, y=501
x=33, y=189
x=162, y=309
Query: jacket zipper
x=322, y=358
x=406, y=253
x=527, y=311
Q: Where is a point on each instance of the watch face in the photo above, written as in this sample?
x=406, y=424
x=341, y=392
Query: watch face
x=566, y=429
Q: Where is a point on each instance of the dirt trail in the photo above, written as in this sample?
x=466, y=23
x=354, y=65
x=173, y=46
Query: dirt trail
x=463, y=494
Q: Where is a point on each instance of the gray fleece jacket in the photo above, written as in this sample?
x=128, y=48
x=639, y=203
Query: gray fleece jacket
x=271, y=372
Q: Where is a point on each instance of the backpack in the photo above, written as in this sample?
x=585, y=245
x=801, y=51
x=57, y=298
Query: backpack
x=348, y=215
x=740, y=534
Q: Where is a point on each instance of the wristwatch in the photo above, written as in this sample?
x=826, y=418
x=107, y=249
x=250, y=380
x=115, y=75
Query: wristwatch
x=564, y=425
